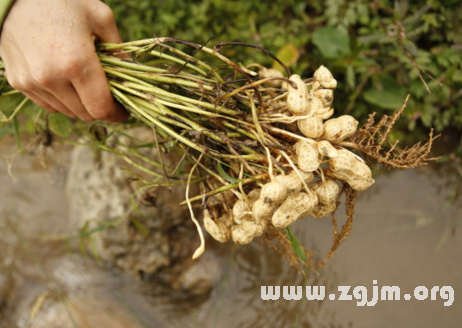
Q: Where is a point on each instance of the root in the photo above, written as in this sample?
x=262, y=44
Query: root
x=338, y=238
x=372, y=140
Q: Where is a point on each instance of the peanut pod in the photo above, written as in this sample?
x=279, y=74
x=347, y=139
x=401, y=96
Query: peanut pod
x=294, y=208
x=327, y=191
x=352, y=170
x=297, y=98
x=326, y=149
x=311, y=127
x=307, y=156
x=337, y=129
x=270, y=72
x=321, y=211
x=292, y=182
x=324, y=79
x=326, y=96
x=218, y=229
x=244, y=233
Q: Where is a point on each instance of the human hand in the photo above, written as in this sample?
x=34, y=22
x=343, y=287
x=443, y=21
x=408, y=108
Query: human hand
x=48, y=50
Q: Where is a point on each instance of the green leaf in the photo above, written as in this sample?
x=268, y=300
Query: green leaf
x=350, y=77
x=225, y=175
x=9, y=103
x=332, y=42
x=288, y=54
x=139, y=226
x=386, y=94
x=3, y=118
x=298, y=250
x=60, y=125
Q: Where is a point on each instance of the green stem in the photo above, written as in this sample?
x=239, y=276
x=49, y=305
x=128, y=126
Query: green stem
x=164, y=79
x=178, y=61
x=159, y=92
x=153, y=120
x=134, y=66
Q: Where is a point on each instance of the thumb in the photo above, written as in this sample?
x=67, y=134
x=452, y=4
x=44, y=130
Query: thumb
x=103, y=24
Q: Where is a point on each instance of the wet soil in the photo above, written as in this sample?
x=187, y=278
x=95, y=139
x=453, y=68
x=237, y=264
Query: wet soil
x=406, y=233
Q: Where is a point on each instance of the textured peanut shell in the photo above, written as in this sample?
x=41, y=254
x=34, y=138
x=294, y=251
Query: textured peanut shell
x=337, y=129
x=307, y=156
x=273, y=193
x=324, y=79
x=325, y=113
x=218, y=229
x=240, y=210
x=311, y=127
x=326, y=149
x=271, y=72
x=344, y=165
x=262, y=210
x=297, y=99
x=244, y=233
x=292, y=185
x=306, y=176
x=241, y=235
x=259, y=227
x=321, y=211
x=323, y=74
x=349, y=168
x=327, y=191
x=326, y=96
x=292, y=182
x=314, y=104
x=362, y=180
x=253, y=195
x=332, y=84
x=294, y=208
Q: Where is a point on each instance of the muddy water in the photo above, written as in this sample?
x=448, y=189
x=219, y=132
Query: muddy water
x=406, y=233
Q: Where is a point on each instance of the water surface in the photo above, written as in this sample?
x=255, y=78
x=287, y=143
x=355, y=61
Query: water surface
x=406, y=233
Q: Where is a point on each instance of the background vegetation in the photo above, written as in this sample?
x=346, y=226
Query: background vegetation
x=379, y=50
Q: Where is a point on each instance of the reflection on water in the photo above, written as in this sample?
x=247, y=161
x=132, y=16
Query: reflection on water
x=405, y=233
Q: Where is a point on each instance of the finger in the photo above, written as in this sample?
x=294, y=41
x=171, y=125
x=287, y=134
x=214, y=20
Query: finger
x=54, y=102
x=105, y=28
x=28, y=85
x=37, y=100
x=68, y=96
x=104, y=25
x=95, y=95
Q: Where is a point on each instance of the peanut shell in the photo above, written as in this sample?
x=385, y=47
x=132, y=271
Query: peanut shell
x=321, y=211
x=271, y=72
x=349, y=168
x=297, y=99
x=311, y=127
x=218, y=229
x=294, y=208
x=262, y=210
x=326, y=96
x=324, y=113
x=307, y=156
x=326, y=149
x=244, y=233
x=337, y=129
x=240, y=210
x=324, y=79
x=327, y=191
x=292, y=182
x=273, y=193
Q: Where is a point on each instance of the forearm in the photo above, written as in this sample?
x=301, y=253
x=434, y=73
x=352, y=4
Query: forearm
x=5, y=6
